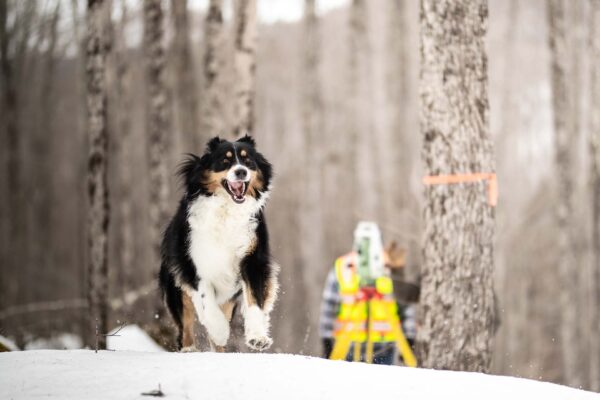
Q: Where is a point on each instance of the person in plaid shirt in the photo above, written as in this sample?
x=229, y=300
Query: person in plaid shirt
x=331, y=301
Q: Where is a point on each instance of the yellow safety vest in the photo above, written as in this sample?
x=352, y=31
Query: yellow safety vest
x=353, y=313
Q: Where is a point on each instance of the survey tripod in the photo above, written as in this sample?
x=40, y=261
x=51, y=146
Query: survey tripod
x=365, y=296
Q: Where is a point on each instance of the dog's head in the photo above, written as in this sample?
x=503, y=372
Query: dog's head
x=232, y=168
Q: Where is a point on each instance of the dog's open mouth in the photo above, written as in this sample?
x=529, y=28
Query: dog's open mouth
x=237, y=190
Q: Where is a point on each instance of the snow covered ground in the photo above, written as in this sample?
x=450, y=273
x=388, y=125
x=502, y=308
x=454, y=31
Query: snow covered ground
x=83, y=374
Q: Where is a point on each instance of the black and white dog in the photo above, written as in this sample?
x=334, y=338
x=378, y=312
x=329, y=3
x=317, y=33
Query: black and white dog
x=216, y=247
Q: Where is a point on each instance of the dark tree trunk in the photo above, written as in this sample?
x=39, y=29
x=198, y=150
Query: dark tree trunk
x=97, y=48
x=187, y=89
x=457, y=300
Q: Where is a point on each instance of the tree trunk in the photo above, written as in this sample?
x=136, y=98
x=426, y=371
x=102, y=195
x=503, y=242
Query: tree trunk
x=310, y=213
x=185, y=75
x=363, y=149
x=457, y=297
x=158, y=119
x=126, y=234
x=594, y=43
x=244, y=58
x=564, y=124
x=98, y=45
x=212, y=106
x=397, y=196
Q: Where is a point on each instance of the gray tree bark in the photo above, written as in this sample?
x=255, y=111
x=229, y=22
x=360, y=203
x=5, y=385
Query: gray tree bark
x=363, y=149
x=126, y=242
x=158, y=120
x=212, y=106
x=564, y=132
x=310, y=213
x=457, y=300
x=97, y=48
x=245, y=66
x=594, y=42
x=187, y=88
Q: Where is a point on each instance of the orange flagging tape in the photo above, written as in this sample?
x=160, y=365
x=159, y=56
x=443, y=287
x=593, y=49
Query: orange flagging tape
x=491, y=179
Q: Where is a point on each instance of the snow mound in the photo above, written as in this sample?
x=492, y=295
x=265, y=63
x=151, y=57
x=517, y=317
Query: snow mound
x=131, y=338
x=83, y=374
x=62, y=341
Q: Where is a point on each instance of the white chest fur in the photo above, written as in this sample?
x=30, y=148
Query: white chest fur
x=221, y=234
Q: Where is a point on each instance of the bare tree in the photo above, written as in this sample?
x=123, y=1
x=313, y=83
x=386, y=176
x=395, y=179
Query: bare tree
x=457, y=297
x=158, y=119
x=212, y=106
x=244, y=59
x=97, y=48
x=564, y=125
x=185, y=73
x=594, y=43
x=310, y=212
x=124, y=144
x=362, y=151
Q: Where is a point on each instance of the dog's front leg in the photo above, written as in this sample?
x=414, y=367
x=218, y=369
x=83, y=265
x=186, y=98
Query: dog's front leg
x=259, y=287
x=210, y=314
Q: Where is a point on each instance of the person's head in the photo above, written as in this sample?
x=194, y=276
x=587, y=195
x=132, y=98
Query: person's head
x=394, y=256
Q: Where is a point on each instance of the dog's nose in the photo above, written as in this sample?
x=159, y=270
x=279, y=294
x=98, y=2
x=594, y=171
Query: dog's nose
x=241, y=173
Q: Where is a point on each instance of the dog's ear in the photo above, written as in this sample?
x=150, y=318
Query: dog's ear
x=213, y=144
x=189, y=167
x=247, y=139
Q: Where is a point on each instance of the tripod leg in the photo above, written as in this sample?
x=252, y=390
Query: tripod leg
x=342, y=343
x=369, y=353
x=357, y=349
x=403, y=347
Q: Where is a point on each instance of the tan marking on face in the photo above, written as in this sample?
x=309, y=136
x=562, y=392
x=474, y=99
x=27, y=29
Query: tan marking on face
x=256, y=183
x=229, y=154
x=252, y=246
x=243, y=153
x=188, y=319
x=212, y=180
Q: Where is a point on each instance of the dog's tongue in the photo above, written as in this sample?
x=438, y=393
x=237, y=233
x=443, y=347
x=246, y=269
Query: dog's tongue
x=237, y=188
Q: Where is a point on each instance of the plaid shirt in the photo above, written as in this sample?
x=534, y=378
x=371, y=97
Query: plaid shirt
x=330, y=307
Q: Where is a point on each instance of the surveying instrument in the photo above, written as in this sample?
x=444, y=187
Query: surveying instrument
x=368, y=313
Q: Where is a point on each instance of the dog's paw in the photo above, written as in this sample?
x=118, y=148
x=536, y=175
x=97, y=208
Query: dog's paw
x=259, y=343
x=188, y=349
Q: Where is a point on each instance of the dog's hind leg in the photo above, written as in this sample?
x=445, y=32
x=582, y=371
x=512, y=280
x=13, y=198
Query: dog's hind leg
x=188, y=342
x=210, y=314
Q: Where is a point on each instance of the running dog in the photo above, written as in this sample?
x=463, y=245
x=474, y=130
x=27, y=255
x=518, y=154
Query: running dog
x=216, y=248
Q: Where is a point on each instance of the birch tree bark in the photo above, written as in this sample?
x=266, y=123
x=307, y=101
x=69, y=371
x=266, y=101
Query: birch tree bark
x=185, y=74
x=457, y=300
x=244, y=59
x=97, y=48
x=212, y=106
x=158, y=120
x=594, y=43
x=564, y=120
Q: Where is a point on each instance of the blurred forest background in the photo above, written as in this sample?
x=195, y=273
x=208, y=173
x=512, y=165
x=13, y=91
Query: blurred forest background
x=350, y=71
